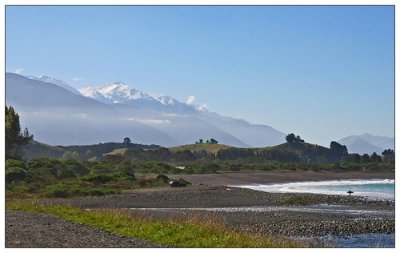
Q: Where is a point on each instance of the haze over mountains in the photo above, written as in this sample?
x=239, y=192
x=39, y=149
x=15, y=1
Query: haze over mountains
x=58, y=114
x=367, y=143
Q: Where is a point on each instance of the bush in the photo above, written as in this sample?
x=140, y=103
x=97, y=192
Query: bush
x=99, y=179
x=63, y=191
x=66, y=173
x=15, y=174
x=162, y=178
x=57, y=191
x=101, y=169
x=79, y=169
x=15, y=163
x=124, y=168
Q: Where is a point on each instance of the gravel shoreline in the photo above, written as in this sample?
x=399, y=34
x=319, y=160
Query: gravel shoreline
x=39, y=230
x=290, y=221
x=292, y=218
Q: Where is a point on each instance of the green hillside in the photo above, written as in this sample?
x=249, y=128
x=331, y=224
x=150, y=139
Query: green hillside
x=208, y=147
x=36, y=149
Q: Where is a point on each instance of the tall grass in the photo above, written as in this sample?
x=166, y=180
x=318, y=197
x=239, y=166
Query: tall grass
x=193, y=233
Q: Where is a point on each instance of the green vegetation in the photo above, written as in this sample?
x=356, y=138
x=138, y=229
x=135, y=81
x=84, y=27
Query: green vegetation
x=190, y=233
x=207, y=147
x=108, y=168
x=66, y=178
x=14, y=138
x=44, y=177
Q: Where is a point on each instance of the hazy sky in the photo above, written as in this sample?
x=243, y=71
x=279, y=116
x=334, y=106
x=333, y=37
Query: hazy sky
x=320, y=72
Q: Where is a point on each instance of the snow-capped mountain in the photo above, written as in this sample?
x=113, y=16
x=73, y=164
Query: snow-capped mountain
x=367, y=143
x=111, y=112
x=121, y=93
x=56, y=81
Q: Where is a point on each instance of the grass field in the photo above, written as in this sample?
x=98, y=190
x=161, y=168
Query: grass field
x=118, y=151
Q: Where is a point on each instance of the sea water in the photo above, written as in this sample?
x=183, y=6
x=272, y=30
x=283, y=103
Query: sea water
x=371, y=188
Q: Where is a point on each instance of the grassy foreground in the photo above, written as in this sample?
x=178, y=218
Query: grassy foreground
x=182, y=234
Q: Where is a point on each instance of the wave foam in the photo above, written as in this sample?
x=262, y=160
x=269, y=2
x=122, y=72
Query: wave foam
x=331, y=187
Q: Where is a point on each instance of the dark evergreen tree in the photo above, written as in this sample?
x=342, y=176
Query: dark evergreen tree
x=14, y=138
x=388, y=152
x=365, y=158
x=375, y=158
x=213, y=141
x=337, y=149
x=291, y=138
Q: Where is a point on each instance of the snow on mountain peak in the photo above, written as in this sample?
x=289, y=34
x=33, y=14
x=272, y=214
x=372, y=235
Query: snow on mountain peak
x=56, y=81
x=120, y=92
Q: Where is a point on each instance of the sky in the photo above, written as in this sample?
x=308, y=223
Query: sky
x=321, y=72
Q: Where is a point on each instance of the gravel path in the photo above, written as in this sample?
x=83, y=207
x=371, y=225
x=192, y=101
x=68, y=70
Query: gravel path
x=38, y=230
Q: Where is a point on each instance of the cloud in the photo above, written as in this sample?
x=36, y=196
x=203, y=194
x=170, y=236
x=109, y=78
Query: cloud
x=190, y=100
x=202, y=107
x=78, y=78
x=19, y=70
x=150, y=121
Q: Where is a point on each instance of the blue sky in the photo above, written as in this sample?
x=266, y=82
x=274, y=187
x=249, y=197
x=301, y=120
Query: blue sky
x=321, y=72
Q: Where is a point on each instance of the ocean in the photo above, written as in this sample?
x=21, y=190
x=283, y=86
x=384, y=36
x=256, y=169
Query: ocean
x=371, y=189
x=383, y=189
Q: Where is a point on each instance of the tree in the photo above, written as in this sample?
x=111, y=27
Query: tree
x=298, y=139
x=337, y=149
x=291, y=138
x=375, y=158
x=14, y=139
x=200, y=140
x=388, y=152
x=127, y=140
x=213, y=141
x=365, y=158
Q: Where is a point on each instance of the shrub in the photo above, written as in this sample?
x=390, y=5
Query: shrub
x=124, y=168
x=99, y=179
x=15, y=174
x=79, y=169
x=65, y=173
x=15, y=163
x=162, y=178
x=57, y=191
x=101, y=169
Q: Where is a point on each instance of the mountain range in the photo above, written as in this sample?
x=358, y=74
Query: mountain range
x=58, y=114
x=367, y=143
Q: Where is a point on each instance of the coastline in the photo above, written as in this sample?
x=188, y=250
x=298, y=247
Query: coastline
x=286, y=176
x=306, y=215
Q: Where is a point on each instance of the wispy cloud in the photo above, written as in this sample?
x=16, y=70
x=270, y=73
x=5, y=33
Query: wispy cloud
x=190, y=100
x=202, y=107
x=150, y=121
x=19, y=70
x=78, y=78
